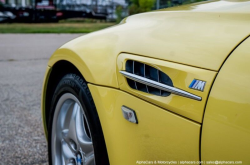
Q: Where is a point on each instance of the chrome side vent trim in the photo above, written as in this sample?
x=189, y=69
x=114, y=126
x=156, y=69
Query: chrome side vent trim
x=150, y=80
x=149, y=72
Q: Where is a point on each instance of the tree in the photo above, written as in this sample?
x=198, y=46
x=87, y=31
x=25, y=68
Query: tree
x=146, y=5
x=139, y=6
x=118, y=13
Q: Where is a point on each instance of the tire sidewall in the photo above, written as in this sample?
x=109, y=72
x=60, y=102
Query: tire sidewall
x=74, y=84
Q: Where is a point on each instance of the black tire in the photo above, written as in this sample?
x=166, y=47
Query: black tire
x=76, y=85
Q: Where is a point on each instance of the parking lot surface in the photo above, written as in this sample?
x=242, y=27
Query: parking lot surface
x=23, y=60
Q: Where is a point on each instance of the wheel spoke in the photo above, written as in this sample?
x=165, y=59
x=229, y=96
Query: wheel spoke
x=83, y=139
x=68, y=157
x=63, y=116
x=71, y=133
x=87, y=148
x=72, y=126
x=90, y=160
x=77, y=132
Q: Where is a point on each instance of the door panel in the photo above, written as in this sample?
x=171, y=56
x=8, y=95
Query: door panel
x=226, y=128
x=181, y=76
x=159, y=135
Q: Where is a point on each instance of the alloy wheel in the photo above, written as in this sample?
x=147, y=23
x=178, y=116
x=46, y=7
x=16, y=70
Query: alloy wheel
x=71, y=137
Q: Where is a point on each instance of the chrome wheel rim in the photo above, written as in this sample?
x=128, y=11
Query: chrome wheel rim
x=71, y=140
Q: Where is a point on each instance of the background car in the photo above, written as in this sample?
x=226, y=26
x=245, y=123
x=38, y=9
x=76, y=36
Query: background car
x=6, y=16
x=170, y=85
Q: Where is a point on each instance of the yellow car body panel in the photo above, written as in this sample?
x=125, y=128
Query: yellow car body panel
x=95, y=66
x=182, y=76
x=226, y=128
x=227, y=6
x=186, y=42
x=202, y=39
x=43, y=95
x=159, y=135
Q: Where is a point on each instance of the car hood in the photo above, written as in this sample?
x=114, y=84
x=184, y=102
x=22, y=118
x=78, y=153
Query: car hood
x=200, y=35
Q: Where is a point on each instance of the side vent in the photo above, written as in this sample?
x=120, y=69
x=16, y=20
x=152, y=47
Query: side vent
x=148, y=72
x=148, y=79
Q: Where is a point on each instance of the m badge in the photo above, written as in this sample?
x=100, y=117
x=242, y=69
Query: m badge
x=198, y=85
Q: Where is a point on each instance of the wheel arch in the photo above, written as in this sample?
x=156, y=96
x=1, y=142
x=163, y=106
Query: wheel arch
x=62, y=62
x=53, y=75
x=88, y=64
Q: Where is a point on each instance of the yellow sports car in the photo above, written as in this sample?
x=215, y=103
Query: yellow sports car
x=164, y=87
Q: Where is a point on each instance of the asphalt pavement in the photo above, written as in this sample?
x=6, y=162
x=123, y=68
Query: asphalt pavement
x=23, y=60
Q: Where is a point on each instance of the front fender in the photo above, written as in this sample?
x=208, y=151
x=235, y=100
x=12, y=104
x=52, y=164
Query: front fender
x=94, y=55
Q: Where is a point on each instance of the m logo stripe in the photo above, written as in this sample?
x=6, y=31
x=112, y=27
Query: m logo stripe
x=192, y=83
x=197, y=85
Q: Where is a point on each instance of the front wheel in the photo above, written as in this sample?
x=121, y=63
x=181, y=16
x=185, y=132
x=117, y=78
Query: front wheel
x=75, y=133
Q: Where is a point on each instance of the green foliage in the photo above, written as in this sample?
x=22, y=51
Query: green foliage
x=134, y=9
x=118, y=13
x=52, y=27
x=146, y=5
x=191, y=1
x=139, y=6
